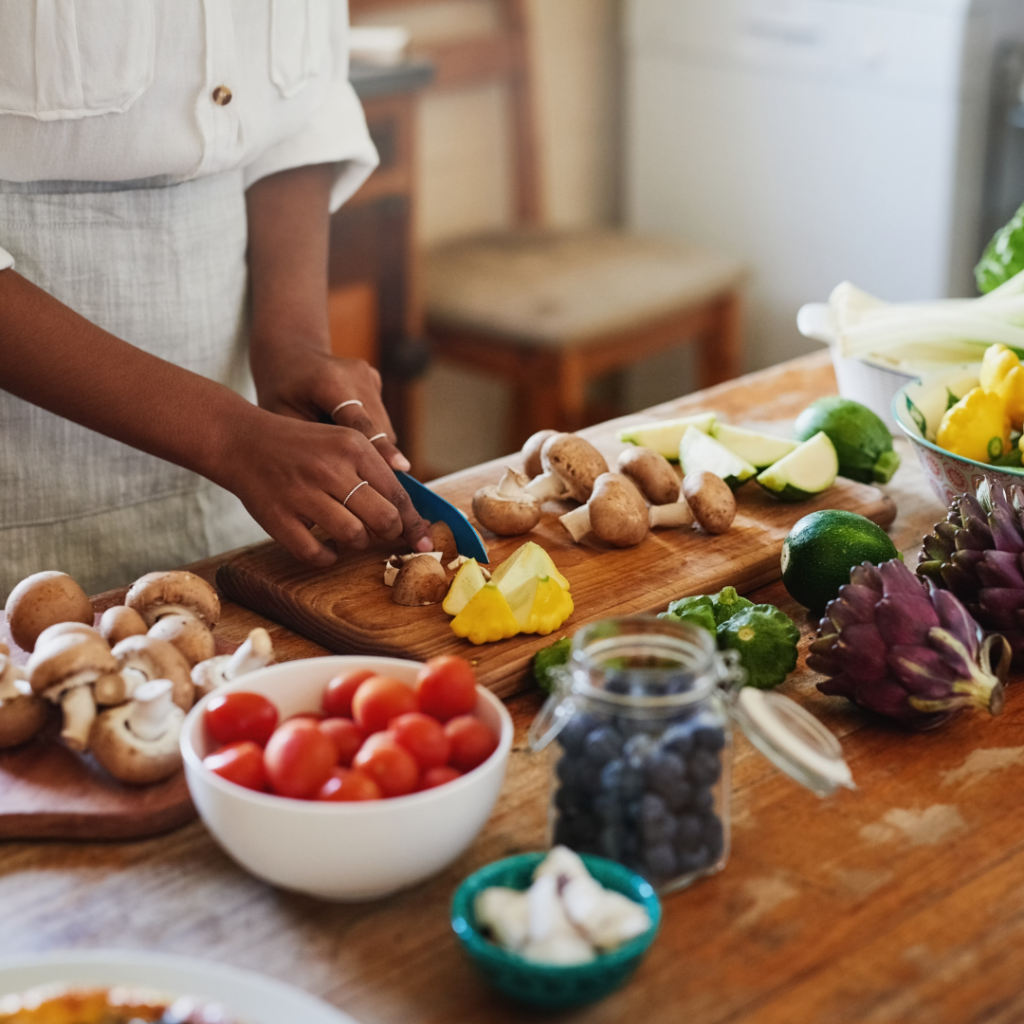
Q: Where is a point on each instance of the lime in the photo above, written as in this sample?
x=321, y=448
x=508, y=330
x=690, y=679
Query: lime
x=823, y=547
x=862, y=441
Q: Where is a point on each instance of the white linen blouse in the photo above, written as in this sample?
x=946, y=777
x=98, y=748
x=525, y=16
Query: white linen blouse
x=171, y=90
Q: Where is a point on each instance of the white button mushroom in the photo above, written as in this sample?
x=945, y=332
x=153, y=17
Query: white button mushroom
x=531, y=452
x=42, y=600
x=22, y=713
x=571, y=465
x=256, y=652
x=137, y=742
x=141, y=659
x=187, y=633
x=616, y=513
x=652, y=473
x=120, y=622
x=164, y=593
x=64, y=671
x=506, y=508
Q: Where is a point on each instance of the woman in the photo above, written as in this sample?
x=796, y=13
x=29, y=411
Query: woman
x=166, y=172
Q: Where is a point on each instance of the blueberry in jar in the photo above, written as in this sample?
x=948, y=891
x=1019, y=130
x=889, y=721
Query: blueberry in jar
x=660, y=861
x=703, y=766
x=575, y=732
x=657, y=824
x=664, y=772
x=689, y=833
x=602, y=744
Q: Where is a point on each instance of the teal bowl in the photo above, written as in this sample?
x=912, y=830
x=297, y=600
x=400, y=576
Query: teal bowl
x=550, y=986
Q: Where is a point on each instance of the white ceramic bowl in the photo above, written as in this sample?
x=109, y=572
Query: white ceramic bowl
x=341, y=851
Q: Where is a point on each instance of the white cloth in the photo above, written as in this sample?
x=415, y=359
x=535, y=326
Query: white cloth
x=165, y=268
x=124, y=90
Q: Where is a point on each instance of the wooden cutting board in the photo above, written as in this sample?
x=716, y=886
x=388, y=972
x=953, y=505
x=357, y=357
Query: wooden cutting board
x=49, y=792
x=349, y=610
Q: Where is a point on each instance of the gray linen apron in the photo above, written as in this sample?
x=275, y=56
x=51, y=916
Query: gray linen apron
x=163, y=268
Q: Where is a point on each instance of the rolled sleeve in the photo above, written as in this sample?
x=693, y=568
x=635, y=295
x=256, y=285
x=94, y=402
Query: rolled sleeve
x=6, y=259
x=336, y=134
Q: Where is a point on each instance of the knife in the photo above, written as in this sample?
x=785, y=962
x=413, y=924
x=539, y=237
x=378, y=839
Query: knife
x=433, y=507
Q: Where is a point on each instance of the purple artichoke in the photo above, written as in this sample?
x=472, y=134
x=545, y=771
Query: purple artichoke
x=902, y=647
x=978, y=554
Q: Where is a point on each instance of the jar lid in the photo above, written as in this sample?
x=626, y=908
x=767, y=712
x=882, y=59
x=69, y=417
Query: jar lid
x=792, y=739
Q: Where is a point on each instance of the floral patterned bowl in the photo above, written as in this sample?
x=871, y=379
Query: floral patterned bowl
x=917, y=409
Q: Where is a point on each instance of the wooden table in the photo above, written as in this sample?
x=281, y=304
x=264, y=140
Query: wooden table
x=899, y=903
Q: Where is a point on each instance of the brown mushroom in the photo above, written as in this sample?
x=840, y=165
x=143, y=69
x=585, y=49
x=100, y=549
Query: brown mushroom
x=712, y=501
x=60, y=628
x=119, y=622
x=616, y=513
x=420, y=581
x=22, y=713
x=42, y=600
x=442, y=539
x=137, y=742
x=531, y=452
x=571, y=465
x=164, y=593
x=64, y=671
x=505, y=508
x=675, y=514
x=652, y=473
x=188, y=634
x=140, y=659
x=255, y=652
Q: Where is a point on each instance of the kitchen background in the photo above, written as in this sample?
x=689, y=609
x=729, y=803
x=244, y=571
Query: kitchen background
x=815, y=140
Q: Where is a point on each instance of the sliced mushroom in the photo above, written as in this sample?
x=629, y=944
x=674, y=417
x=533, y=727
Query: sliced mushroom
x=120, y=622
x=712, y=500
x=42, y=600
x=137, y=742
x=421, y=581
x=165, y=593
x=531, y=452
x=616, y=513
x=188, y=634
x=571, y=465
x=64, y=671
x=141, y=659
x=443, y=540
x=505, y=508
x=652, y=473
x=256, y=652
x=22, y=713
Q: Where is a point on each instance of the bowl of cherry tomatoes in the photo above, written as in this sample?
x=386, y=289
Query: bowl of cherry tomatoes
x=347, y=778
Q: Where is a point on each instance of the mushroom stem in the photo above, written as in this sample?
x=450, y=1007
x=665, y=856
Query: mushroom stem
x=545, y=486
x=678, y=513
x=151, y=709
x=257, y=651
x=512, y=483
x=577, y=522
x=79, y=710
x=117, y=687
x=10, y=680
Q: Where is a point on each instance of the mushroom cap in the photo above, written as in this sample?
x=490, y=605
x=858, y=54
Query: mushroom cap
x=22, y=715
x=119, y=622
x=505, y=516
x=41, y=600
x=163, y=593
x=131, y=759
x=711, y=500
x=574, y=461
x=618, y=513
x=68, y=655
x=652, y=473
x=443, y=540
x=60, y=628
x=421, y=581
x=188, y=634
x=158, y=659
x=531, y=452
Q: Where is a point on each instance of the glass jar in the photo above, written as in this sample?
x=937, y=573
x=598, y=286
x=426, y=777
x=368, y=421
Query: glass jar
x=639, y=729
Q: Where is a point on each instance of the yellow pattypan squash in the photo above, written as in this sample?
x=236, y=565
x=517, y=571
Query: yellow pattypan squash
x=977, y=427
x=1002, y=374
x=540, y=605
x=486, y=617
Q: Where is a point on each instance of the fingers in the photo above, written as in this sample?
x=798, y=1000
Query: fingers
x=411, y=525
x=374, y=424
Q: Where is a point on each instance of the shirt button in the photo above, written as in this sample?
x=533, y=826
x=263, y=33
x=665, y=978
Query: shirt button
x=221, y=95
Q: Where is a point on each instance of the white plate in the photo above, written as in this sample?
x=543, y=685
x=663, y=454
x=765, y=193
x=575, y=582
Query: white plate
x=253, y=998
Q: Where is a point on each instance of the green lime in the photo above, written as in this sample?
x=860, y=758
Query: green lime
x=823, y=547
x=862, y=441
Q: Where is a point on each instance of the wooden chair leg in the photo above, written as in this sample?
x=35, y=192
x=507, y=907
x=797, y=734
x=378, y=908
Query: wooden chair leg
x=720, y=351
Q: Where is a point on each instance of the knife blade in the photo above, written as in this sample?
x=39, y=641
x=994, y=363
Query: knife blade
x=433, y=507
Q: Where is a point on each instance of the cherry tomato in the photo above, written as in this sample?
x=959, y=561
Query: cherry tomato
x=434, y=777
x=423, y=736
x=392, y=767
x=337, y=698
x=472, y=742
x=241, y=763
x=230, y=717
x=378, y=700
x=346, y=736
x=345, y=784
x=299, y=758
x=446, y=687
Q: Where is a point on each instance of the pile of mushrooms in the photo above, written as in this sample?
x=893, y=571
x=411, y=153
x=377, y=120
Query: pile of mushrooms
x=123, y=689
x=619, y=508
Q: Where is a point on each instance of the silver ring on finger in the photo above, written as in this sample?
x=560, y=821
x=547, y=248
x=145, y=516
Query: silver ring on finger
x=341, y=405
x=362, y=483
x=377, y=437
